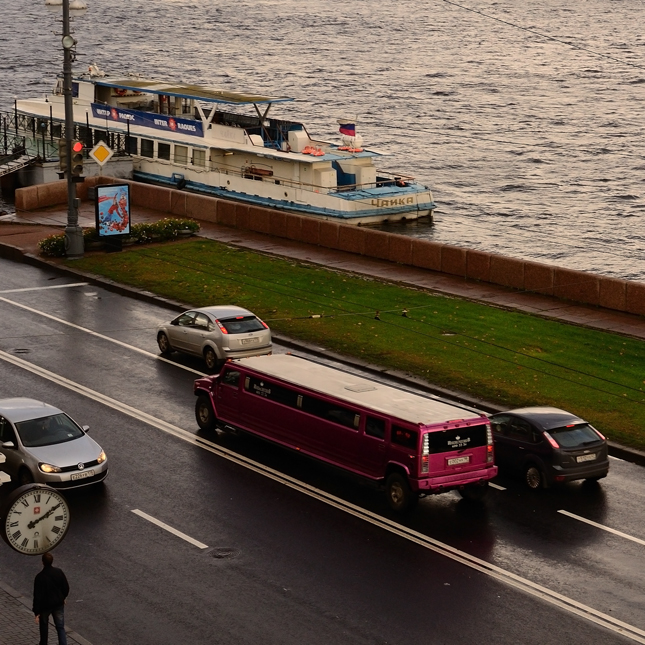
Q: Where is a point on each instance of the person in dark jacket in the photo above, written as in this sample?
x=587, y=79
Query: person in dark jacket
x=50, y=591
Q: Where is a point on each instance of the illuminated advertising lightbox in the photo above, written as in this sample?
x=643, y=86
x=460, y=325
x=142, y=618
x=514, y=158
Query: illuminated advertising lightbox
x=112, y=210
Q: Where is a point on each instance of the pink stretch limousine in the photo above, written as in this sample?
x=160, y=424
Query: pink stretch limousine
x=416, y=445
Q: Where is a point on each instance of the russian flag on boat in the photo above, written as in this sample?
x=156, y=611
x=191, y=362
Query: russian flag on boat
x=347, y=127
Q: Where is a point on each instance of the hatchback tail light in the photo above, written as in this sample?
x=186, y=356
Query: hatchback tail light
x=552, y=441
x=221, y=327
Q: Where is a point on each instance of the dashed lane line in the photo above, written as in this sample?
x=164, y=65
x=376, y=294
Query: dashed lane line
x=603, y=527
x=52, y=286
x=563, y=602
x=101, y=336
x=169, y=528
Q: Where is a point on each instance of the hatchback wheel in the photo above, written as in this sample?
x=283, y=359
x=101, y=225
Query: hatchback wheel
x=25, y=477
x=533, y=477
x=212, y=362
x=164, y=344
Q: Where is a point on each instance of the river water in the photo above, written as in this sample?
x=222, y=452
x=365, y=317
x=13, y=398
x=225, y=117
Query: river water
x=527, y=119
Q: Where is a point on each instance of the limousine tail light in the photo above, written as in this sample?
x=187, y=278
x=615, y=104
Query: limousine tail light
x=425, y=454
x=489, y=441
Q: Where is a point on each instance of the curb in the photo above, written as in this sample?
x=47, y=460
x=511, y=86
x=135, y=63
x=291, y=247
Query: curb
x=16, y=254
x=24, y=601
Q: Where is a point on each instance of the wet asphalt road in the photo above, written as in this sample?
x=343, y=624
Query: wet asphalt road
x=278, y=565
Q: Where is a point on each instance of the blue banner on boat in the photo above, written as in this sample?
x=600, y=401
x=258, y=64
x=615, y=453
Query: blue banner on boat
x=148, y=120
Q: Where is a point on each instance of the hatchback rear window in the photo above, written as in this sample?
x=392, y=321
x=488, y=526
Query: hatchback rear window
x=241, y=325
x=575, y=436
x=48, y=431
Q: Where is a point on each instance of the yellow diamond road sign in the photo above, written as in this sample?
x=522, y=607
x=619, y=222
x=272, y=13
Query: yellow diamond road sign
x=101, y=153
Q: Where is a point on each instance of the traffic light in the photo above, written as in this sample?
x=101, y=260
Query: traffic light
x=62, y=155
x=77, y=159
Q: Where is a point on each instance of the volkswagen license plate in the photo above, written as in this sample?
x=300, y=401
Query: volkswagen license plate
x=455, y=461
x=582, y=458
x=83, y=475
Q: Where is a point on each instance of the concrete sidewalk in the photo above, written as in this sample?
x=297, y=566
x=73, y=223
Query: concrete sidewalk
x=17, y=625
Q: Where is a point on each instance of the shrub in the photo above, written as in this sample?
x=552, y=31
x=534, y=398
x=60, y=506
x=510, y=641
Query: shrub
x=143, y=233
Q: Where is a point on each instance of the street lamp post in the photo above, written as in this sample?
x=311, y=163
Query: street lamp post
x=74, y=246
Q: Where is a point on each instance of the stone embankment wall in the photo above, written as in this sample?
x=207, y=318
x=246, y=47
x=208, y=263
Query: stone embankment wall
x=567, y=284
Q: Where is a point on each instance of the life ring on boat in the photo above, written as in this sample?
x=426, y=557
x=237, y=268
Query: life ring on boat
x=119, y=91
x=317, y=152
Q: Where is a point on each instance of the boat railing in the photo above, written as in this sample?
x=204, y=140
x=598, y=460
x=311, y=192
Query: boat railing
x=40, y=136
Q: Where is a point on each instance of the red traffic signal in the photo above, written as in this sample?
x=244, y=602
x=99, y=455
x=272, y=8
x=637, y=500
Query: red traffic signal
x=77, y=158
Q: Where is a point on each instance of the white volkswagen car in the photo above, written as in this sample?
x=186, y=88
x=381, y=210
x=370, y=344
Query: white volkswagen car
x=216, y=334
x=42, y=444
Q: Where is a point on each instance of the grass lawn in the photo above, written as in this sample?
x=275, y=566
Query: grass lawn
x=512, y=359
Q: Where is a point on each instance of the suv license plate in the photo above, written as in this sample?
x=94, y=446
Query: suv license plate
x=582, y=458
x=250, y=341
x=83, y=475
x=454, y=461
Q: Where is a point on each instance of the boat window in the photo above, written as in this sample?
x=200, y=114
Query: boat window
x=163, y=151
x=147, y=148
x=199, y=158
x=131, y=144
x=181, y=155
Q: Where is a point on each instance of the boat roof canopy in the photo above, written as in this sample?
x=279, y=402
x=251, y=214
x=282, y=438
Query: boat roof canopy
x=188, y=91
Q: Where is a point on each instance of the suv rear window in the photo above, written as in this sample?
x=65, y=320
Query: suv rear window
x=575, y=436
x=242, y=324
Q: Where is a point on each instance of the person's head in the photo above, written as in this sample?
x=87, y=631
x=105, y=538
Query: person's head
x=47, y=559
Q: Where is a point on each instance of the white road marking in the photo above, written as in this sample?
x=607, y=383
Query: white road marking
x=497, y=486
x=102, y=336
x=603, y=527
x=507, y=577
x=170, y=529
x=53, y=286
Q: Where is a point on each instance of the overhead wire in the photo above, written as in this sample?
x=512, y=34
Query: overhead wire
x=172, y=259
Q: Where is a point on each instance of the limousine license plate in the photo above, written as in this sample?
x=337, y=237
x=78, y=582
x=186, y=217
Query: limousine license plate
x=455, y=461
x=582, y=458
x=250, y=341
x=83, y=475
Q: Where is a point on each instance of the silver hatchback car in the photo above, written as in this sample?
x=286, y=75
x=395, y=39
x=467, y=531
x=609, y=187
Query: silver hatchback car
x=217, y=334
x=40, y=443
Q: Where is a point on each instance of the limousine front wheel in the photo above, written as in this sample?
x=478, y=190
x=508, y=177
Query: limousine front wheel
x=204, y=413
x=399, y=494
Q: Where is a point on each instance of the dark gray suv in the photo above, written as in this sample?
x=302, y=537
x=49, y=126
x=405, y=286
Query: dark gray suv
x=548, y=446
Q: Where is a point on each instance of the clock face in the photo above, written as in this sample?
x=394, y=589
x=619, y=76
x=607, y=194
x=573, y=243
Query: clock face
x=36, y=519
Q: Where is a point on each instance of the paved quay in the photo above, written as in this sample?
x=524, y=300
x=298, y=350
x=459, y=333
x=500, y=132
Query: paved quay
x=20, y=234
x=17, y=625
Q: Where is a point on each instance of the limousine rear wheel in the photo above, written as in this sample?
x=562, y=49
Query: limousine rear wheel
x=204, y=413
x=399, y=495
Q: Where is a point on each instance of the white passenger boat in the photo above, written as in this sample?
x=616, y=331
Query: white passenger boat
x=200, y=139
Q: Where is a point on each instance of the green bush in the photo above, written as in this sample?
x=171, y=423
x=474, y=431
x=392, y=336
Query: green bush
x=143, y=233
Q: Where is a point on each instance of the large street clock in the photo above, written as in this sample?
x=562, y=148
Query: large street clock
x=35, y=519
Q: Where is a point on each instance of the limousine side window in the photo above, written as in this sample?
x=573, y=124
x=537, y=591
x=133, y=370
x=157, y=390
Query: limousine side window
x=268, y=390
x=231, y=377
x=331, y=411
x=375, y=427
x=404, y=437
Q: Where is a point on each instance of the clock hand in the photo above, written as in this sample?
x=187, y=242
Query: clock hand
x=42, y=517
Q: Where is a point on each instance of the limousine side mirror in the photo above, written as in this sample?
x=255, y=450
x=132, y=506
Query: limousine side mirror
x=7, y=444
